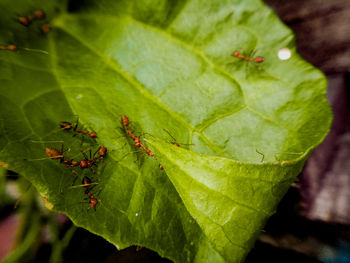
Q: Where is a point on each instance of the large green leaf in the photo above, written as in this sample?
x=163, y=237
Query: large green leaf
x=166, y=65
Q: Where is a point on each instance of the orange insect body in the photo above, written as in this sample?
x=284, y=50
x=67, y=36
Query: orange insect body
x=24, y=20
x=256, y=60
x=45, y=28
x=65, y=125
x=9, y=47
x=136, y=139
x=27, y=20
x=74, y=163
x=53, y=153
x=83, y=164
x=86, y=181
x=39, y=14
x=175, y=143
x=149, y=152
x=92, y=200
x=12, y=47
x=93, y=135
x=102, y=151
x=125, y=121
x=131, y=134
x=88, y=163
x=259, y=59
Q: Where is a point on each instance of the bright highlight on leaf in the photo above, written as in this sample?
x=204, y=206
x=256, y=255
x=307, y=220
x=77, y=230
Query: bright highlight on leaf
x=168, y=66
x=284, y=54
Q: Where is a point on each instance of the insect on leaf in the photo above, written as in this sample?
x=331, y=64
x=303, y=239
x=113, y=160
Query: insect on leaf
x=244, y=128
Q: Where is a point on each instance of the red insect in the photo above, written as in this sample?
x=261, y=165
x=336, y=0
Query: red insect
x=136, y=139
x=102, y=151
x=9, y=47
x=148, y=151
x=65, y=125
x=45, y=28
x=256, y=59
x=39, y=14
x=93, y=202
x=88, y=162
x=87, y=183
x=12, y=47
x=175, y=142
x=27, y=20
x=55, y=154
x=125, y=121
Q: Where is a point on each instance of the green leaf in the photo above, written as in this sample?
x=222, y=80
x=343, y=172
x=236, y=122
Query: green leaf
x=166, y=65
x=230, y=200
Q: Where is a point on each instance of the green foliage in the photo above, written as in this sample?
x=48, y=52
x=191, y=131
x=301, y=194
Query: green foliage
x=166, y=65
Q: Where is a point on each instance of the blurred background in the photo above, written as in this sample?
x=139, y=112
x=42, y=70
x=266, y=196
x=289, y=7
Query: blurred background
x=312, y=223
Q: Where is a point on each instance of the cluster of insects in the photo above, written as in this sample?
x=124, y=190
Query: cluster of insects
x=83, y=163
x=55, y=154
x=137, y=141
x=8, y=47
x=36, y=15
x=88, y=162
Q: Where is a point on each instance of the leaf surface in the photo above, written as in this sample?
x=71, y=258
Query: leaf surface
x=166, y=65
